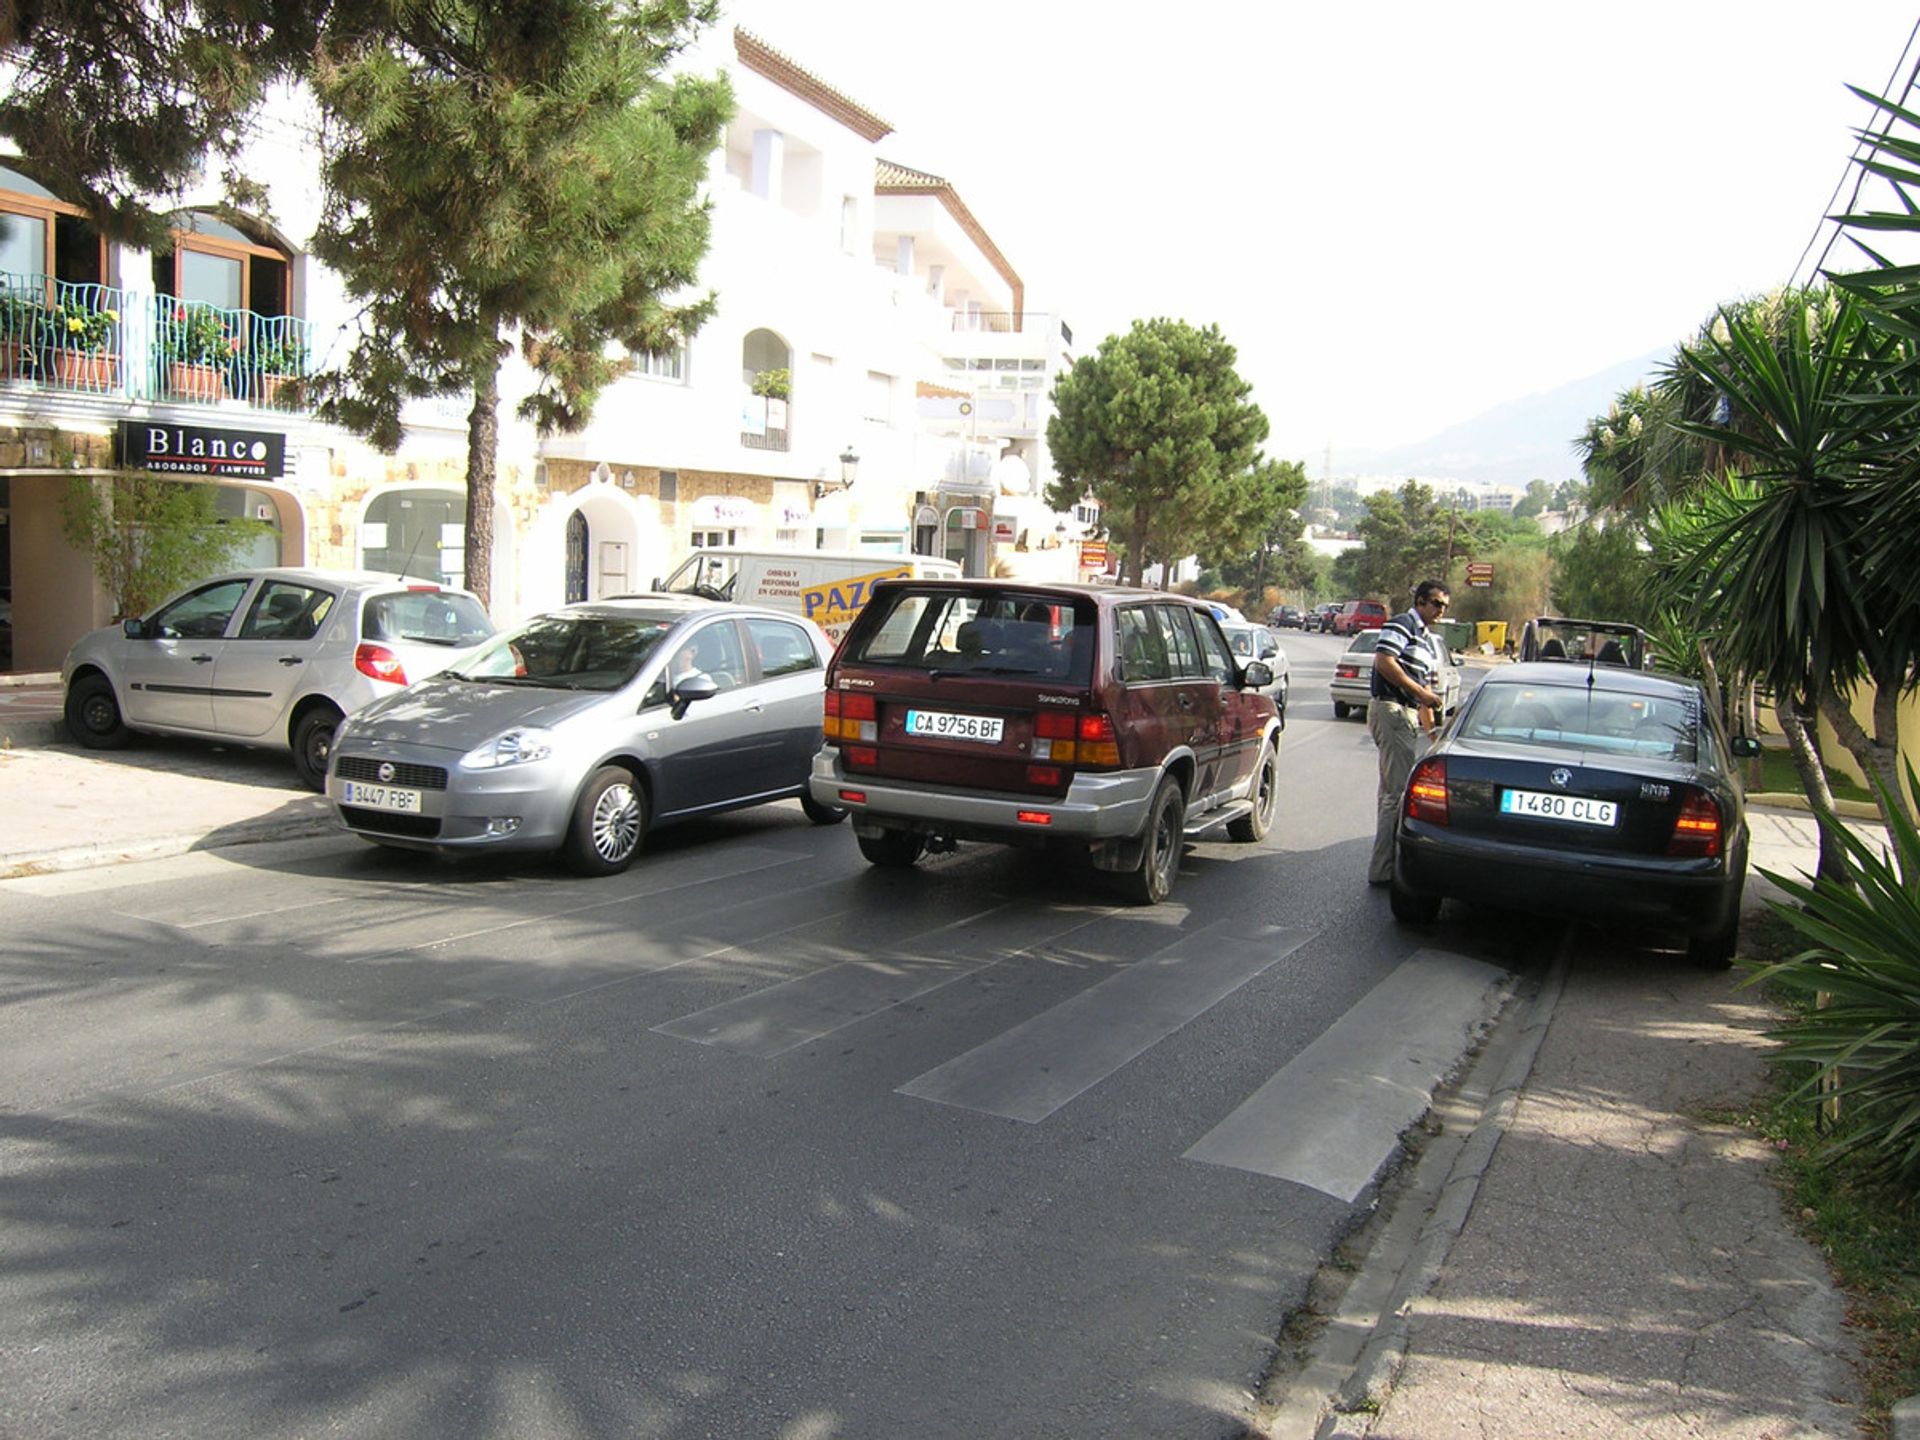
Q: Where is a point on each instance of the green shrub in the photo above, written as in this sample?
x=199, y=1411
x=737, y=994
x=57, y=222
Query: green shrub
x=1862, y=1037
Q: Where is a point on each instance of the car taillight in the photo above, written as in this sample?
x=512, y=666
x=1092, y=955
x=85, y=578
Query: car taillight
x=1696, y=829
x=850, y=717
x=1427, y=792
x=1097, y=744
x=379, y=662
x=1346, y=672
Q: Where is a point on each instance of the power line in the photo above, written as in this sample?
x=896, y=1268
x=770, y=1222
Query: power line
x=1853, y=165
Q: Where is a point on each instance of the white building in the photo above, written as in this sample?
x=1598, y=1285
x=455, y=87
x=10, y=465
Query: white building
x=911, y=369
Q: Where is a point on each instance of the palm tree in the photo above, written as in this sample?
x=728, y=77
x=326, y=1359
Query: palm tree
x=1800, y=560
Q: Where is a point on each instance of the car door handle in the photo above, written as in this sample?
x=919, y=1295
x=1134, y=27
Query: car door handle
x=292, y=660
x=201, y=659
x=755, y=708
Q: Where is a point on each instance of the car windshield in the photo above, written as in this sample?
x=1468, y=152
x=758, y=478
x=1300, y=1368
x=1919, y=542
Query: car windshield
x=1651, y=727
x=570, y=652
x=977, y=633
x=1364, y=642
x=427, y=617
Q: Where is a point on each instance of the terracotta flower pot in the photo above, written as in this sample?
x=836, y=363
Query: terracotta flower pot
x=86, y=370
x=186, y=381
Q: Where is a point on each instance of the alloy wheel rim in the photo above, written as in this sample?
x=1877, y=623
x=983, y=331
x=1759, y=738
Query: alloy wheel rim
x=616, y=823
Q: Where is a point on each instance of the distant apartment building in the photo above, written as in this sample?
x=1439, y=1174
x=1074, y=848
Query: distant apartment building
x=872, y=379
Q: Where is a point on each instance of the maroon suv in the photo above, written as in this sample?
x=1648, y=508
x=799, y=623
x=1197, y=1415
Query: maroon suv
x=1105, y=722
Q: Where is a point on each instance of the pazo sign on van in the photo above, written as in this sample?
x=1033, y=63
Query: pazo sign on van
x=833, y=605
x=828, y=587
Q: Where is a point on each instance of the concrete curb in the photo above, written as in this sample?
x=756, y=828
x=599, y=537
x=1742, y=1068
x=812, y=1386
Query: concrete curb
x=314, y=817
x=1906, y=1419
x=1356, y=1357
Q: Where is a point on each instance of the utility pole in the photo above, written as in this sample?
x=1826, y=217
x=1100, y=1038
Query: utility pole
x=1452, y=515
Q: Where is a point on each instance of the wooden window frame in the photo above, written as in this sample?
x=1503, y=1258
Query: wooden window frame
x=38, y=207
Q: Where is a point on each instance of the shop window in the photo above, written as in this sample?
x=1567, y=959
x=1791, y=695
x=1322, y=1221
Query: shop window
x=414, y=532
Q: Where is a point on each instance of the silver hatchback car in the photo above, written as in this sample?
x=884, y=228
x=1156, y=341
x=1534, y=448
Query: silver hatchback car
x=588, y=726
x=271, y=658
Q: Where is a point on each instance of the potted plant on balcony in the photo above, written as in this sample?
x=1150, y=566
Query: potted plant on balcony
x=80, y=340
x=198, y=349
x=282, y=364
x=23, y=331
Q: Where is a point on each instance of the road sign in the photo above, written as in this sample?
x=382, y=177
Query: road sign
x=1480, y=574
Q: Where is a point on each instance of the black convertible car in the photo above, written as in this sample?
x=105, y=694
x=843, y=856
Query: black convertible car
x=1587, y=791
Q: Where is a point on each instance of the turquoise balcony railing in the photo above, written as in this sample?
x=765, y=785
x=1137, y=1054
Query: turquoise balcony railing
x=97, y=340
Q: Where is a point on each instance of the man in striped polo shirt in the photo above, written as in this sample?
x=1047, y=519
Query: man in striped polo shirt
x=1406, y=667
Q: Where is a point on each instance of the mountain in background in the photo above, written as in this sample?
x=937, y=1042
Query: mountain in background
x=1511, y=444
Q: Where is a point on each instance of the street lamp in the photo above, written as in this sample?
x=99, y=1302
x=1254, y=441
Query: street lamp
x=849, y=466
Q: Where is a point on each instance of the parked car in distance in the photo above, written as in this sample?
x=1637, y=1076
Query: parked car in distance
x=1599, y=792
x=1286, y=617
x=1101, y=723
x=270, y=658
x=1356, y=615
x=1604, y=642
x=586, y=728
x=1258, y=642
x=1352, y=685
x=1320, y=617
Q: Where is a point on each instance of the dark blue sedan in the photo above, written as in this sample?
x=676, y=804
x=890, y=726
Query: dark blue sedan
x=1585, y=791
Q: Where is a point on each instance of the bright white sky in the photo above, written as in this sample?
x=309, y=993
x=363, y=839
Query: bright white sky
x=1400, y=214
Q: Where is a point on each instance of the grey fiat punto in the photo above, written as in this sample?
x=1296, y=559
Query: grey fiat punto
x=587, y=727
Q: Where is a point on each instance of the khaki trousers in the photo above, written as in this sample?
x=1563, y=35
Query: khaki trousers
x=1396, y=732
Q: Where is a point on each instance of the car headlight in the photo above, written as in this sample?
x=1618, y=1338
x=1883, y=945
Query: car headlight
x=516, y=747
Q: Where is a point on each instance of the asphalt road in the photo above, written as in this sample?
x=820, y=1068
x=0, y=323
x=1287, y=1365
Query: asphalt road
x=310, y=1138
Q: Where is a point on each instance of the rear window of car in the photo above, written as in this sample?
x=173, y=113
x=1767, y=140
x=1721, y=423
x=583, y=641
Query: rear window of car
x=426, y=617
x=976, y=632
x=1641, y=726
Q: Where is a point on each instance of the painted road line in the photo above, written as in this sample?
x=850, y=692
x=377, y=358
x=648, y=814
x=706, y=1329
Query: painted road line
x=1041, y=1064
x=1335, y=1112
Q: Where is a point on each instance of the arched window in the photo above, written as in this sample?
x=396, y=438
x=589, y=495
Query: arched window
x=766, y=363
x=44, y=238
x=215, y=262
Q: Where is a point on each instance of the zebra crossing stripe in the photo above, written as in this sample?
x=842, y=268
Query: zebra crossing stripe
x=1331, y=1117
x=1038, y=1066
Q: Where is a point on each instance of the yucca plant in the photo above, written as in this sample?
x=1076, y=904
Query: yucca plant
x=1863, y=970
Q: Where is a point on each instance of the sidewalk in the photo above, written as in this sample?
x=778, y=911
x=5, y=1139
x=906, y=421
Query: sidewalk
x=1596, y=1252
x=1598, y=1256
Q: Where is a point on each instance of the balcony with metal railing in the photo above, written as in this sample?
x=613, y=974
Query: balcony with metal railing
x=83, y=340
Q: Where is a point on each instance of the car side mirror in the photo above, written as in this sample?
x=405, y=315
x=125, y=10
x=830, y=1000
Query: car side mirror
x=658, y=583
x=697, y=686
x=1745, y=747
x=134, y=628
x=1256, y=675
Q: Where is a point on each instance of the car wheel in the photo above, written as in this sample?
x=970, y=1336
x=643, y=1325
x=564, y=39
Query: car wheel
x=1410, y=907
x=1340, y=708
x=1715, y=949
x=609, y=819
x=821, y=814
x=892, y=849
x=313, y=744
x=1151, y=881
x=1266, y=797
x=93, y=714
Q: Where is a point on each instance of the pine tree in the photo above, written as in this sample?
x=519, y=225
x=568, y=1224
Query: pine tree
x=498, y=171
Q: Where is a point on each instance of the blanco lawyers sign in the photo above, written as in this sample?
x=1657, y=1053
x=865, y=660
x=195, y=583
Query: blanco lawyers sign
x=202, y=450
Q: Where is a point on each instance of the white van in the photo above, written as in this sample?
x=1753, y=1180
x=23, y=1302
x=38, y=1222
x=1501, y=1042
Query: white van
x=828, y=587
